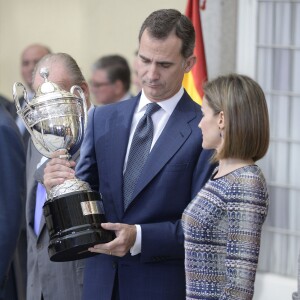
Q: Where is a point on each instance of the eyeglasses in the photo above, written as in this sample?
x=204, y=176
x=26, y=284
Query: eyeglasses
x=98, y=85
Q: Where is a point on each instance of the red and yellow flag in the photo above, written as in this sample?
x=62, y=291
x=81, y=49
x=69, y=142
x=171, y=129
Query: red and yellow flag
x=193, y=80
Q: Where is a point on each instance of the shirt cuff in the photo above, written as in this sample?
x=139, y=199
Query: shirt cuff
x=137, y=247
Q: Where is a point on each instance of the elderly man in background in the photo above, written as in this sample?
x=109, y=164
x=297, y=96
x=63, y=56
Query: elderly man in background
x=29, y=58
x=49, y=280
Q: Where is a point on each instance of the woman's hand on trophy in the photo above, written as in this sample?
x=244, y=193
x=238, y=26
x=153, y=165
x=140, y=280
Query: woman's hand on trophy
x=58, y=169
x=125, y=239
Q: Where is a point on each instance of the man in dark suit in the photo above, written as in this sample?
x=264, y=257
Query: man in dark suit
x=12, y=190
x=49, y=280
x=146, y=259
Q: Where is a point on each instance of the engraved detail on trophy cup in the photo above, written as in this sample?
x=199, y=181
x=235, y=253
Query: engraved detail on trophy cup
x=56, y=119
x=69, y=186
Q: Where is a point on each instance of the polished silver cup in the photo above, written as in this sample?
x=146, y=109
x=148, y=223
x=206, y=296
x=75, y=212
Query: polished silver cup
x=56, y=119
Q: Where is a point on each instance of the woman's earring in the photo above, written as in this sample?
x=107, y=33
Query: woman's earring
x=221, y=134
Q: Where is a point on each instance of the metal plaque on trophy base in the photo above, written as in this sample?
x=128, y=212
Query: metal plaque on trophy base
x=56, y=119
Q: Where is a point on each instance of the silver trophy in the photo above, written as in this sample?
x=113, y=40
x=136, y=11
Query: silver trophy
x=56, y=119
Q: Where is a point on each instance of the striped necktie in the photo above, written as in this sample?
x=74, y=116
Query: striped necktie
x=139, y=150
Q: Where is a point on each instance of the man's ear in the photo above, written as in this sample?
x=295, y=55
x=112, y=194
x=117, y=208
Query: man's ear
x=119, y=87
x=189, y=63
x=85, y=88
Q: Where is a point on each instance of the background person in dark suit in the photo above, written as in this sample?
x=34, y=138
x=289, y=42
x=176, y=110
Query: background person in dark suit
x=110, y=80
x=12, y=190
x=146, y=259
x=47, y=279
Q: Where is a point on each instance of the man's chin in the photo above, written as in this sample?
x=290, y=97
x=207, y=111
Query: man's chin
x=152, y=93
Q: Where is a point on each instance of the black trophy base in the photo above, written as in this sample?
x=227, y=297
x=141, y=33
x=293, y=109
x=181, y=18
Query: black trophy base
x=73, y=222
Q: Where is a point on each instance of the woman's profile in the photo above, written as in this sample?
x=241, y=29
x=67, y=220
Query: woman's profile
x=222, y=225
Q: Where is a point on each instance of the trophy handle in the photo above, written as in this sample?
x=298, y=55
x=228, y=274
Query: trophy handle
x=21, y=115
x=16, y=97
x=18, y=106
x=77, y=88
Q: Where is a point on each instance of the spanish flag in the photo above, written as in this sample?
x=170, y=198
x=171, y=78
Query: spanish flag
x=193, y=80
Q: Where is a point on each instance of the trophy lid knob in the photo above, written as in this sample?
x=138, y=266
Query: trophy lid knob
x=47, y=86
x=49, y=91
x=44, y=72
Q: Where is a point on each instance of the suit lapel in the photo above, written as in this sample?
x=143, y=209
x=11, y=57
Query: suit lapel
x=115, y=150
x=174, y=135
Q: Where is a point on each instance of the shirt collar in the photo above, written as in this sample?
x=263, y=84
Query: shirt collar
x=126, y=96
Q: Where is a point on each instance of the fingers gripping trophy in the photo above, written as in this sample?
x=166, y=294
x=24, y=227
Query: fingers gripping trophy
x=56, y=119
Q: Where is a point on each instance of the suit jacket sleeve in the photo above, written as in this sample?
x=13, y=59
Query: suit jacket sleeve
x=12, y=189
x=165, y=240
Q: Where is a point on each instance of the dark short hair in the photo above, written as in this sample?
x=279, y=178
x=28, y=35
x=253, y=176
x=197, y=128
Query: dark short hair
x=161, y=23
x=242, y=100
x=117, y=68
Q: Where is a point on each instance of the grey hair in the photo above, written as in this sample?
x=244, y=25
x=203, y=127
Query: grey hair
x=69, y=62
